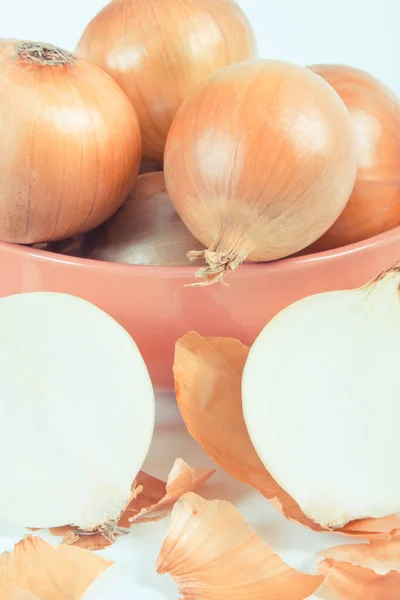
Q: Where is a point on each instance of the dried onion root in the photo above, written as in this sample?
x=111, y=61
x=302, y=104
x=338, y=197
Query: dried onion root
x=208, y=374
x=36, y=571
x=151, y=498
x=212, y=553
x=259, y=162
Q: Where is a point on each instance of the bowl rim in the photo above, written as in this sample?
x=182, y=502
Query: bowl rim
x=185, y=270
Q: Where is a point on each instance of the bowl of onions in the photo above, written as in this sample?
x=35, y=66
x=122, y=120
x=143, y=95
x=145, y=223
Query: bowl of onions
x=155, y=304
x=280, y=181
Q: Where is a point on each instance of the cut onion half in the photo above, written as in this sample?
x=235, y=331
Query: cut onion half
x=208, y=375
x=77, y=406
x=321, y=401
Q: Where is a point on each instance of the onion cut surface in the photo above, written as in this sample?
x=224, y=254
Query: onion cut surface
x=151, y=499
x=79, y=406
x=208, y=375
x=320, y=401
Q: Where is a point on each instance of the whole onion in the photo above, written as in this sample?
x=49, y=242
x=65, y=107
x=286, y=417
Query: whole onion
x=158, y=51
x=259, y=162
x=70, y=144
x=374, y=206
x=146, y=230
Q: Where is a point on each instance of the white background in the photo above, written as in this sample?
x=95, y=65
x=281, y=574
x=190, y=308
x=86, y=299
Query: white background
x=362, y=33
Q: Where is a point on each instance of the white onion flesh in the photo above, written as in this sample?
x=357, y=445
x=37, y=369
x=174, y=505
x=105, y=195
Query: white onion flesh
x=77, y=409
x=321, y=402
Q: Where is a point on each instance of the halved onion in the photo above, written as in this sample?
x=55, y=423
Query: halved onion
x=151, y=499
x=77, y=405
x=208, y=376
x=320, y=401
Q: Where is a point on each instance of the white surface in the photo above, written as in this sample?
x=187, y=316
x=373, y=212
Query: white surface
x=135, y=555
x=361, y=33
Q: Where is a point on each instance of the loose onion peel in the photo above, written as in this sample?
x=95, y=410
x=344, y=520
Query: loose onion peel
x=208, y=376
x=36, y=570
x=212, y=553
x=156, y=497
x=361, y=571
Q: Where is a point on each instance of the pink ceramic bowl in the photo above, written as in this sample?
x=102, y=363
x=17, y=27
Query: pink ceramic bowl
x=155, y=307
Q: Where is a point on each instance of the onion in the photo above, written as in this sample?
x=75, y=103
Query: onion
x=208, y=377
x=374, y=206
x=78, y=405
x=320, y=400
x=150, y=500
x=145, y=231
x=150, y=166
x=70, y=144
x=158, y=51
x=259, y=162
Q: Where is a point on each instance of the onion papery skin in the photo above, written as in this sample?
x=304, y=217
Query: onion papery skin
x=146, y=230
x=374, y=206
x=70, y=147
x=259, y=162
x=158, y=51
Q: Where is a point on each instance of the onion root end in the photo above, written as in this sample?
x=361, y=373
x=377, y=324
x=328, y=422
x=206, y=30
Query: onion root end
x=43, y=54
x=219, y=264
